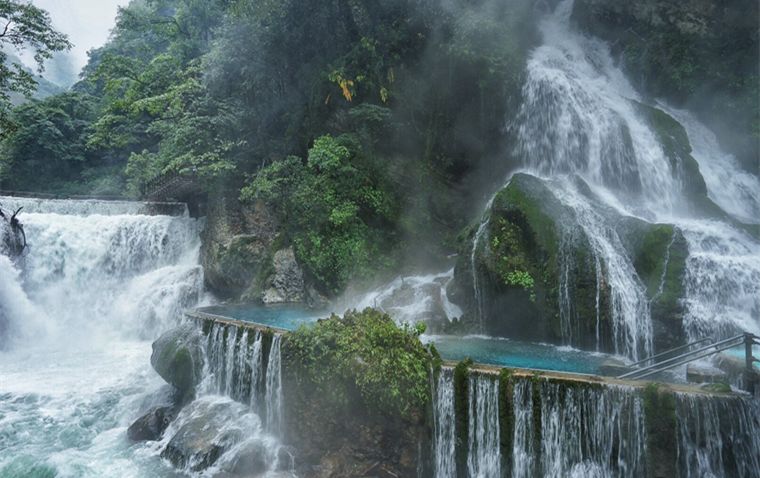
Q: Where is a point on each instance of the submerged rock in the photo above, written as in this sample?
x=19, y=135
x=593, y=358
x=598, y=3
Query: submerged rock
x=178, y=358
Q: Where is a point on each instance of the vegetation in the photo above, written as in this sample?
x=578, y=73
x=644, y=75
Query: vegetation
x=367, y=352
x=337, y=212
x=24, y=27
x=345, y=96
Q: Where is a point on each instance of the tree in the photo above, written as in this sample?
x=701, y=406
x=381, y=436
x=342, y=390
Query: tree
x=22, y=25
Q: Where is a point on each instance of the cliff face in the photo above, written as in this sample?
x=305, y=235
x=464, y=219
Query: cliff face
x=244, y=258
x=699, y=54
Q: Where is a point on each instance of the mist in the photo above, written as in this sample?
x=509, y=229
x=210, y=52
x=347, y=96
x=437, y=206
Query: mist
x=87, y=23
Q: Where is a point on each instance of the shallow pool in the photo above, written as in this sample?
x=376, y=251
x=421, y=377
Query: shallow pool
x=511, y=353
x=481, y=349
x=281, y=316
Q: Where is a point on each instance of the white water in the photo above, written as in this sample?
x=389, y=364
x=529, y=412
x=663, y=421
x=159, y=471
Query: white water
x=445, y=431
x=523, y=449
x=600, y=431
x=273, y=392
x=94, y=290
x=235, y=368
x=717, y=438
x=578, y=118
x=484, y=456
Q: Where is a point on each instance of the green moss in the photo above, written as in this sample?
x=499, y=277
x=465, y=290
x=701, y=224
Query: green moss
x=716, y=387
x=515, y=198
x=676, y=146
x=461, y=412
x=506, y=416
x=660, y=418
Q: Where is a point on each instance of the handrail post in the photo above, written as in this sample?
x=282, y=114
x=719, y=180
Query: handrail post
x=749, y=373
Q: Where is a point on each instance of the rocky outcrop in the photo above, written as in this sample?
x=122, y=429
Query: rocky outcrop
x=244, y=259
x=12, y=236
x=286, y=283
x=356, y=406
x=536, y=267
x=178, y=358
x=237, y=247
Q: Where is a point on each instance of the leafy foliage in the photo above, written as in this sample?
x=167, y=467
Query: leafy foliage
x=337, y=211
x=23, y=26
x=364, y=351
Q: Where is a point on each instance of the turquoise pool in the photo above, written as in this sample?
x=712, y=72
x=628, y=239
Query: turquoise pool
x=280, y=316
x=485, y=350
x=511, y=353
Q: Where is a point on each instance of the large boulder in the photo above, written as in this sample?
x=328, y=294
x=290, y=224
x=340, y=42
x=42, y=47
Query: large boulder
x=178, y=358
x=539, y=277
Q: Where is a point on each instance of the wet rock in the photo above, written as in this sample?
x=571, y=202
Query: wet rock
x=705, y=374
x=178, y=358
x=252, y=459
x=286, y=284
x=151, y=426
x=210, y=427
x=237, y=246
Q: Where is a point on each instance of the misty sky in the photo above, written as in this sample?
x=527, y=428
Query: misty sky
x=87, y=23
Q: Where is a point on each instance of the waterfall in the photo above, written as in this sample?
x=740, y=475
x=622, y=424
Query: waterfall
x=484, y=458
x=444, y=421
x=256, y=370
x=591, y=430
x=717, y=437
x=273, y=392
x=580, y=117
x=523, y=450
x=235, y=368
x=98, y=283
x=476, y=289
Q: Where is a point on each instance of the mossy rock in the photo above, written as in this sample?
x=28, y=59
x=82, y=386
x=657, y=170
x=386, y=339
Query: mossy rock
x=661, y=430
x=518, y=259
x=659, y=253
x=178, y=358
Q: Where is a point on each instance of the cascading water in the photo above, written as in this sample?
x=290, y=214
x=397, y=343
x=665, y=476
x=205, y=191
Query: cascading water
x=273, y=392
x=484, y=457
x=99, y=281
x=523, y=449
x=717, y=438
x=559, y=429
x=591, y=432
x=235, y=368
x=581, y=117
x=445, y=432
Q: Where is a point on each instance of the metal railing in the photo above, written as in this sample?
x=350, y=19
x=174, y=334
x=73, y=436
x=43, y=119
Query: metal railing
x=746, y=339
